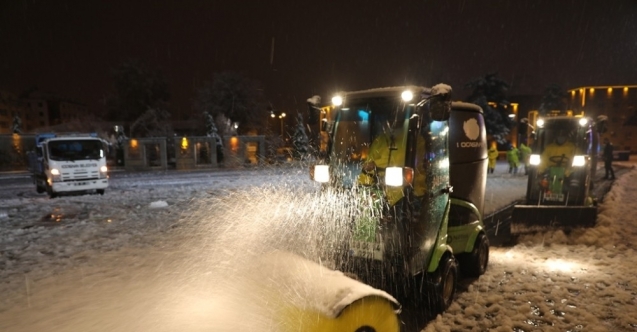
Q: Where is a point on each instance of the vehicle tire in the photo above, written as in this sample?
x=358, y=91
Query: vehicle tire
x=100, y=191
x=475, y=263
x=445, y=284
x=50, y=192
x=39, y=189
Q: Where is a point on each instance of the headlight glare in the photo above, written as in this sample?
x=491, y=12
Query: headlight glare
x=394, y=176
x=579, y=161
x=534, y=159
x=322, y=173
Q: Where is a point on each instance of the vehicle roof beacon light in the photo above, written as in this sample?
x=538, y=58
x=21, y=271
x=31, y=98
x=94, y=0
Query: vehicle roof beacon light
x=337, y=100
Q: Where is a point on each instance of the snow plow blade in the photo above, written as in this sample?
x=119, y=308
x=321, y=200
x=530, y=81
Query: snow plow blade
x=539, y=218
x=309, y=297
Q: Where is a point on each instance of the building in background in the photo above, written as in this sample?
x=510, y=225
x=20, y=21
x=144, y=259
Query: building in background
x=10, y=106
x=48, y=110
x=618, y=102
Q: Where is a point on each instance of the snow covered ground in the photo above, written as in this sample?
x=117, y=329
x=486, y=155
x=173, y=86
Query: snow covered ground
x=181, y=256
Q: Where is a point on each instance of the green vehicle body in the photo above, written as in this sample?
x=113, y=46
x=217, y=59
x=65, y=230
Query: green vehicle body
x=556, y=199
x=422, y=238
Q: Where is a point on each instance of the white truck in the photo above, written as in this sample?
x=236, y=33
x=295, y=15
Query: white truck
x=69, y=163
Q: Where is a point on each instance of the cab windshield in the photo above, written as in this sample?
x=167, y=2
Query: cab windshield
x=357, y=124
x=75, y=150
x=564, y=132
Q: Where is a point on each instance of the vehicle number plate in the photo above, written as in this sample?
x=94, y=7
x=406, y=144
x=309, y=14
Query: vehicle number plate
x=554, y=197
x=373, y=250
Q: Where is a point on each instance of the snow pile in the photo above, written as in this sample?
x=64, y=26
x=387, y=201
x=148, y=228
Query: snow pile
x=158, y=204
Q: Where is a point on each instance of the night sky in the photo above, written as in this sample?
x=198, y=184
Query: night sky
x=69, y=47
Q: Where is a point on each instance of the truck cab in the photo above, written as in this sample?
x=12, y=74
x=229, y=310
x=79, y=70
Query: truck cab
x=388, y=149
x=71, y=163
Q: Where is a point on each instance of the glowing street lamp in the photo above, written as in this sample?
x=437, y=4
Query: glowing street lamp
x=281, y=116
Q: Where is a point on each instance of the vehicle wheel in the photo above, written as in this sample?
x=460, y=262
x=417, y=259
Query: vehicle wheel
x=51, y=193
x=445, y=284
x=100, y=191
x=39, y=189
x=475, y=263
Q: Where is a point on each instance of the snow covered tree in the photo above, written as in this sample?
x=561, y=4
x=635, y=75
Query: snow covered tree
x=138, y=89
x=299, y=139
x=554, y=98
x=489, y=92
x=234, y=96
x=211, y=131
x=151, y=123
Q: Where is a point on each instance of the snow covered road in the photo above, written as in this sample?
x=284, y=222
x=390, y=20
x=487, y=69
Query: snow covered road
x=170, y=257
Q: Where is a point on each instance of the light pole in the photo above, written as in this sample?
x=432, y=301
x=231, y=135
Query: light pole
x=280, y=116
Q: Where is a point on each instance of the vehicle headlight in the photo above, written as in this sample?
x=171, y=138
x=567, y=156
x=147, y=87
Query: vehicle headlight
x=407, y=95
x=534, y=159
x=322, y=173
x=104, y=169
x=579, y=161
x=55, y=175
x=394, y=176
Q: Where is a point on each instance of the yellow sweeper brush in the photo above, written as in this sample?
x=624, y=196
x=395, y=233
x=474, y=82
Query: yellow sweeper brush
x=305, y=296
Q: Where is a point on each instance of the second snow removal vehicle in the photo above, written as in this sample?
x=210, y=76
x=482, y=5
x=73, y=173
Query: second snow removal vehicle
x=563, y=165
x=413, y=165
x=69, y=163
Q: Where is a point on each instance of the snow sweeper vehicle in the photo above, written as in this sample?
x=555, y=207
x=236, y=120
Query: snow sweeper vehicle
x=412, y=164
x=563, y=162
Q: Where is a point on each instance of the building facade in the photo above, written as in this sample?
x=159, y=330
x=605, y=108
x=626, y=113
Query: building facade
x=10, y=107
x=618, y=103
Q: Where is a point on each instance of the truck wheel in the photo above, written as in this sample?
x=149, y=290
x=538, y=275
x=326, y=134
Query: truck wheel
x=51, y=193
x=100, y=191
x=39, y=189
x=445, y=284
x=475, y=263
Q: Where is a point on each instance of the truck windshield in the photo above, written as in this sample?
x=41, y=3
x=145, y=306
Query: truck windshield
x=80, y=149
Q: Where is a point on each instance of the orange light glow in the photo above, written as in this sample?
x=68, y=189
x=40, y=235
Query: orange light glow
x=610, y=90
x=234, y=143
x=133, y=143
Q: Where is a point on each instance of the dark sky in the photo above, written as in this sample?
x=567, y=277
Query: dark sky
x=69, y=47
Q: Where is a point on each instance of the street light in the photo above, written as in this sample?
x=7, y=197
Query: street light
x=280, y=116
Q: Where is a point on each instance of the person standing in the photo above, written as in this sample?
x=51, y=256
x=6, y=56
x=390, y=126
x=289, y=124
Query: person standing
x=525, y=154
x=492, y=154
x=608, y=159
x=513, y=159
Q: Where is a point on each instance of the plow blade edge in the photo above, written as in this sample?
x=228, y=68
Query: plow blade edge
x=539, y=218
